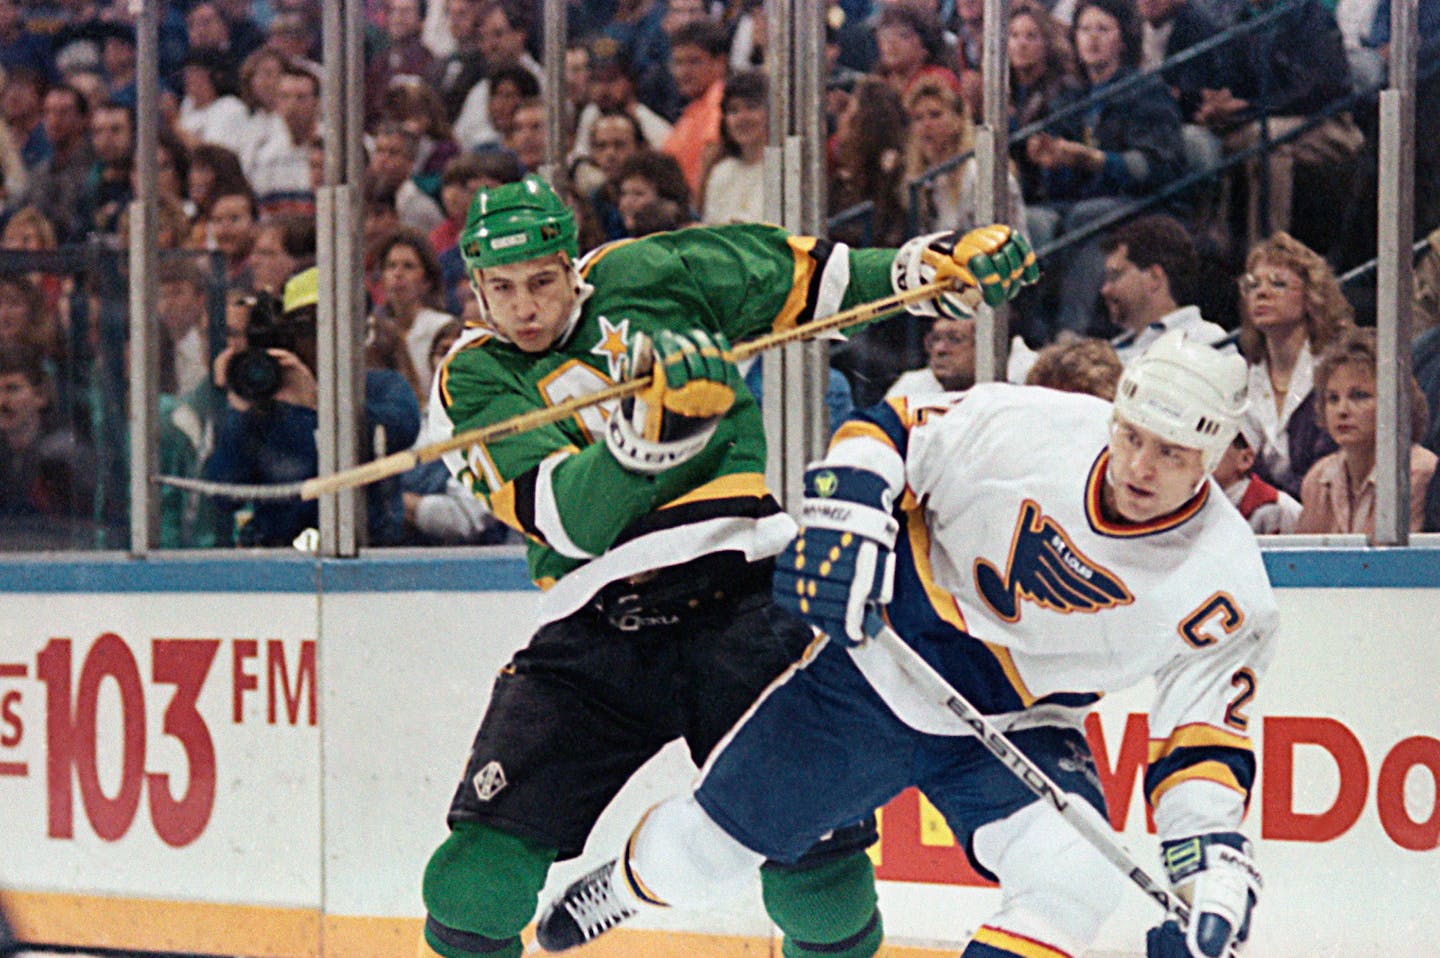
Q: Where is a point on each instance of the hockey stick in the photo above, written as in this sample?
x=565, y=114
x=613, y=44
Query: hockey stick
x=399, y=462
x=933, y=686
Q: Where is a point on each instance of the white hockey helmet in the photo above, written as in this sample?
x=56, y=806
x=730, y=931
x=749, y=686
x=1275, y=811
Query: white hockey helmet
x=1187, y=393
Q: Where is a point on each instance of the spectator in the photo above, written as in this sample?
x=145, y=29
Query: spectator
x=210, y=111
x=245, y=34
x=108, y=188
x=410, y=297
x=661, y=215
x=614, y=138
x=279, y=166
x=25, y=322
x=940, y=130
x=949, y=361
x=1269, y=511
x=526, y=138
x=232, y=220
x=1150, y=269
x=1291, y=310
x=418, y=108
x=509, y=87
x=734, y=188
x=504, y=35
x=31, y=231
x=911, y=49
x=637, y=29
x=118, y=61
x=1338, y=494
x=20, y=47
x=46, y=469
x=868, y=166
x=1286, y=72
x=404, y=55
x=283, y=246
x=698, y=61
x=612, y=90
x=57, y=184
x=1077, y=365
x=213, y=170
x=259, y=83
x=297, y=37
x=1170, y=28
x=457, y=72
x=181, y=311
x=644, y=178
x=1126, y=146
x=172, y=172
x=207, y=29
x=392, y=161
x=577, y=85
x=272, y=438
x=22, y=100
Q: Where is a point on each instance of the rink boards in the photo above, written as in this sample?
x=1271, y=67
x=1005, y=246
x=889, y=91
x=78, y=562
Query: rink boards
x=253, y=756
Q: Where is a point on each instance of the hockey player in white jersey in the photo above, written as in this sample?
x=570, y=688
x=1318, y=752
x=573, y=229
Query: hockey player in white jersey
x=1038, y=549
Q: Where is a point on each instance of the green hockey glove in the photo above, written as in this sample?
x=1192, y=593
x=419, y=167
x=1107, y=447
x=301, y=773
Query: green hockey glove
x=692, y=386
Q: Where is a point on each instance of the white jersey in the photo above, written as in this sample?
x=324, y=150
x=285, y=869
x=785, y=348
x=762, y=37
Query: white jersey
x=1015, y=585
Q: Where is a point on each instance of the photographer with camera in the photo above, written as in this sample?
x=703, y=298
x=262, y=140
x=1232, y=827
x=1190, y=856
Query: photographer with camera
x=267, y=433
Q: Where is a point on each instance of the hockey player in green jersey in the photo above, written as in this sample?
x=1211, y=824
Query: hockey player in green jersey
x=650, y=529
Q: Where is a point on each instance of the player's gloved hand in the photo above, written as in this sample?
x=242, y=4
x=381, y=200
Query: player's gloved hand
x=995, y=259
x=843, y=557
x=1217, y=875
x=692, y=385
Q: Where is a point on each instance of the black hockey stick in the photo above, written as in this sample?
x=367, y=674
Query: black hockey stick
x=393, y=465
x=933, y=686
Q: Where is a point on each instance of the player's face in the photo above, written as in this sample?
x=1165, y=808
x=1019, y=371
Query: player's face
x=529, y=302
x=1149, y=476
x=950, y=344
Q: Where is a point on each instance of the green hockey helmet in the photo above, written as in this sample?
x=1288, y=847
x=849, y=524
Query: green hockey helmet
x=516, y=222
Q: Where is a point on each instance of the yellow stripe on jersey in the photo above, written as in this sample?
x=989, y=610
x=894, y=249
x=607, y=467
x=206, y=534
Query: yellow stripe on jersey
x=1217, y=772
x=502, y=504
x=858, y=429
x=940, y=600
x=1196, y=736
x=1007, y=665
x=1018, y=945
x=740, y=484
x=795, y=301
x=444, y=371
x=588, y=261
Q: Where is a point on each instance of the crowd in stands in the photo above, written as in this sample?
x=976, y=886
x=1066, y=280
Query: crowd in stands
x=1156, y=157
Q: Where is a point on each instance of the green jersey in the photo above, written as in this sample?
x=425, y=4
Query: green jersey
x=588, y=520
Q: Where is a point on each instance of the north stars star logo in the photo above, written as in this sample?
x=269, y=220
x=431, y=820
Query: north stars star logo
x=614, y=345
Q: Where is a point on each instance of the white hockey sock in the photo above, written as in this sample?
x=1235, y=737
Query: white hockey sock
x=679, y=856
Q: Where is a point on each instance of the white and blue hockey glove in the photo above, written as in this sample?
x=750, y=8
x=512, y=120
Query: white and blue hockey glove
x=994, y=259
x=1217, y=875
x=692, y=386
x=843, y=559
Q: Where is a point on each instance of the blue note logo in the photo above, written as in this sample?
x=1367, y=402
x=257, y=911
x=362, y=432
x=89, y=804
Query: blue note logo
x=1046, y=568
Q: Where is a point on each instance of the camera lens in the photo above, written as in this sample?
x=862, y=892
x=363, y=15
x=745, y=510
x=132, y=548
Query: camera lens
x=253, y=375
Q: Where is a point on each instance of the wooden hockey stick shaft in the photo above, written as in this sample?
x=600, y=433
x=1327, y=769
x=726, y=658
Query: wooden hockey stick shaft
x=396, y=463
x=934, y=687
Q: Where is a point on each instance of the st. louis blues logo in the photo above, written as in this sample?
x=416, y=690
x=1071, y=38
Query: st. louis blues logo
x=1046, y=568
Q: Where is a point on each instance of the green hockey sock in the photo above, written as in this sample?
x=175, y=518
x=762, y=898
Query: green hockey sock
x=480, y=890
x=828, y=910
